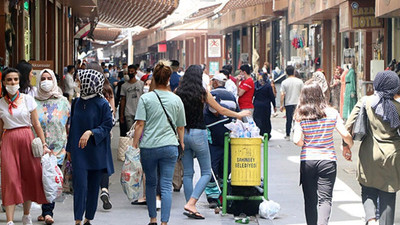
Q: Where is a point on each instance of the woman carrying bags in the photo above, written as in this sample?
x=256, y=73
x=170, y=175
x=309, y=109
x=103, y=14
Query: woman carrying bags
x=21, y=173
x=53, y=111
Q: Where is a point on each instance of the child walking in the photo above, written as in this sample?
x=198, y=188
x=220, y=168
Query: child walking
x=315, y=122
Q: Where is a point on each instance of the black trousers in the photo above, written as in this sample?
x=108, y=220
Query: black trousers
x=289, y=117
x=379, y=202
x=317, y=178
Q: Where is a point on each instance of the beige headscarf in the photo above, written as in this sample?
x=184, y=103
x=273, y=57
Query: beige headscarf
x=55, y=92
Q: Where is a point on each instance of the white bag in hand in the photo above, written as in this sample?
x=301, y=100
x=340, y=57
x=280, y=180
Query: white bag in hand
x=52, y=178
x=132, y=174
x=268, y=209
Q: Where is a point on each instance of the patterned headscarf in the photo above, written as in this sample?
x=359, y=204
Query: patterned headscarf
x=386, y=85
x=91, y=83
x=319, y=77
x=55, y=92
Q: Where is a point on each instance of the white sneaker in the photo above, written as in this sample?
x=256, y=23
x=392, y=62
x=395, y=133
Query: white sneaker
x=27, y=220
x=158, y=204
x=10, y=223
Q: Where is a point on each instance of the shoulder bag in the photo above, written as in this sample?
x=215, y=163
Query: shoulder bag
x=360, y=124
x=180, y=149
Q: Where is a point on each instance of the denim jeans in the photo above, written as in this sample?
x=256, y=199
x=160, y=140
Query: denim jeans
x=196, y=143
x=164, y=157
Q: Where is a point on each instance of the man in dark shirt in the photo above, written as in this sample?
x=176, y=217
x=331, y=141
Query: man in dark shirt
x=174, y=81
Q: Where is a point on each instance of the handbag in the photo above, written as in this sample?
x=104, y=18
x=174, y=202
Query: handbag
x=37, y=147
x=124, y=143
x=360, y=124
x=180, y=149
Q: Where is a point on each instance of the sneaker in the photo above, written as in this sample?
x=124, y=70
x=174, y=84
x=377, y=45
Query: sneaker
x=158, y=204
x=287, y=138
x=10, y=223
x=27, y=220
x=105, y=198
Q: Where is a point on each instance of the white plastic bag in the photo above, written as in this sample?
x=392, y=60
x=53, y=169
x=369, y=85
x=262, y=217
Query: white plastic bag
x=52, y=177
x=132, y=174
x=268, y=209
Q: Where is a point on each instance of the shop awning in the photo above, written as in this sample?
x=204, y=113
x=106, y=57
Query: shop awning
x=130, y=13
x=187, y=30
x=106, y=34
x=305, y=12
x=387, y=8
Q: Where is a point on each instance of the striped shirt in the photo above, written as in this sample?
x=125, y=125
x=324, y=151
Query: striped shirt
x=318, y=137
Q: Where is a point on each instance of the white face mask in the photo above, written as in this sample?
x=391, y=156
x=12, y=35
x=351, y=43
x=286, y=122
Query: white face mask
x=126, y=77
x=46, y=85
x=146, y=89
x=12, y=89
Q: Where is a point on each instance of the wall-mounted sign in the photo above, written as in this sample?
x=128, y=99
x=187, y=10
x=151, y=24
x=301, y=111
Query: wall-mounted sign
x=214, y=47
x=364, y=17
x=38, y=66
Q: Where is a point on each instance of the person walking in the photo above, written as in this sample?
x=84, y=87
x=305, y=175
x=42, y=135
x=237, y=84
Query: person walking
x=53, y=112
x=313, y=132
x=290, y=92
x=194, y=96
x=26, y=71
x=159, y=145
x=378, y=165
x=245, y=89
x=263, y=98
x=89, y=143
x=21, y=173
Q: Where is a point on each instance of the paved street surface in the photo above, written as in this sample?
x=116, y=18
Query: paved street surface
x=283, y=188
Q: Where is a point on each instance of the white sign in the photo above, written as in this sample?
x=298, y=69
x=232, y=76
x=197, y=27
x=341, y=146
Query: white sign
x=214, y=47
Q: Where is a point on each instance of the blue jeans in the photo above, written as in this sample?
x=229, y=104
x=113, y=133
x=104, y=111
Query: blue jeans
x=196, y=143
x=164, y=157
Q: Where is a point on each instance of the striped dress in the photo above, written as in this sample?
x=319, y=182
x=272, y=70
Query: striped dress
x=318, y=137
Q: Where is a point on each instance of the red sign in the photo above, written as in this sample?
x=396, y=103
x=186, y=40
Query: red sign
x=162, y=47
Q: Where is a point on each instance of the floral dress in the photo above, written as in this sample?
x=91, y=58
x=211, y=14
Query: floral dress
x=53, y=115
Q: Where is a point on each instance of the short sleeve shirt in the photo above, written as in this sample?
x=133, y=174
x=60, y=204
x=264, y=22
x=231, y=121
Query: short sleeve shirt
x=157, y=130
x=246, y=100
x=21, y=116
x=132, y=93
x=292, y=87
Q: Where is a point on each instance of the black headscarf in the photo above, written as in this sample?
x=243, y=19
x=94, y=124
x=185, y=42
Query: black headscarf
x=386, y=85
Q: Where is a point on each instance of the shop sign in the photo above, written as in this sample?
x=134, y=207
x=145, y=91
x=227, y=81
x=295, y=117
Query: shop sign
x=214, y=68
x=38, y=66
x=363, y=16
x=214, y=48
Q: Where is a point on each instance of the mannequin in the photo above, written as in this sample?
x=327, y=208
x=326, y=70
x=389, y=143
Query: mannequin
x=350, y=94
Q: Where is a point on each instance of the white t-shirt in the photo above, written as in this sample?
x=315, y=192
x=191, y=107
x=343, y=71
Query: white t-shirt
x=231, y=87
x=206, y=82
x=21, y=116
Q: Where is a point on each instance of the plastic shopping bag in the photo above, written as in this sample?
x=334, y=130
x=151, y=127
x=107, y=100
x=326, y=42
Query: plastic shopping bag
x=268, y=209
x=132, y=174
x=52, y=177
x=67, y=173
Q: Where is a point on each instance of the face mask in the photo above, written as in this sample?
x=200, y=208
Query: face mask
x=146, y=89
x=46, y=85
x=131, y=75
x=12, y=89
x=126, y=77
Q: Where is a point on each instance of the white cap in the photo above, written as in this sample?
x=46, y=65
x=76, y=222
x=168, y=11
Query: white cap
x=219, y=77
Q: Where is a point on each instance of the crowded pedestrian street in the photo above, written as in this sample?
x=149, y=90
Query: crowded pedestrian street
x=283, y=183
x=280, y=112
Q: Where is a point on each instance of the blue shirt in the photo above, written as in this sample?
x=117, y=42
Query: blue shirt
x=174, y=81
x=93, y=114
x=215, y=124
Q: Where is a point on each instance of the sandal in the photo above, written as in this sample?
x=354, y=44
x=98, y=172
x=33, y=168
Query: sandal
x=193, y=215
x=48, y=220
x=40, y=218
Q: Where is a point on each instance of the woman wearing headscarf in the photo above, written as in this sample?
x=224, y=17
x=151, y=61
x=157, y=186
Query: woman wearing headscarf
x=53, y=111
x=89, y=143
x=263, y=97
x=378, y=169
x=319, y=77
x=21, y=173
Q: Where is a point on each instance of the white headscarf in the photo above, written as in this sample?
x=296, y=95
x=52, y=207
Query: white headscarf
x=54, y=92
x=319, y=77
